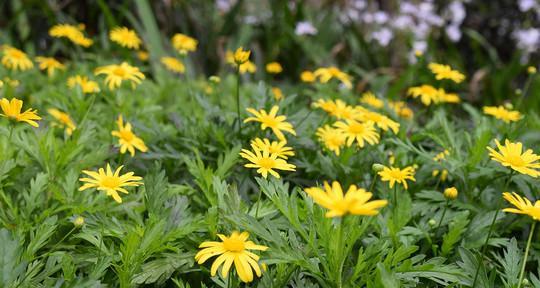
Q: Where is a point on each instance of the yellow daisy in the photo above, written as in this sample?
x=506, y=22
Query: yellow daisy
x=127, y=140
x=15, y=59
x=12, y=110
x=510, y=156
x=232, y=249
x=73, y=33
x=401, y=109
x=50, y=64
x=274, y=147
x=118, y=73
x=337, y=108
x=307, y=76
x=183, y=43
x=110, y=182
x=271, y=120
x=370, y=99
x=274, y=68
x=445, y=72
x=64, y=120
x=278, y=94
x=502, y=113
x=427, y=93
x=266, y=162
x=174, y=65
x=125, y=37
x=326, y=74
x=362, y=132
x=355, y=202
x=87, y=86
x=332, y=138
x=379, y=120
x=143, y=55
x=393, y=175
x=523, y=205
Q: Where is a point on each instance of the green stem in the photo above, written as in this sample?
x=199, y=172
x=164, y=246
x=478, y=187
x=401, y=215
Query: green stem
x=373, y=182
x=304, y=119
x=525, y=90
x=498, y=207
x=10, y=133
x=443, y=214
x=522, y=273
x=90, y=106
x=238, y=101
x=338, y=253
x=258, y=204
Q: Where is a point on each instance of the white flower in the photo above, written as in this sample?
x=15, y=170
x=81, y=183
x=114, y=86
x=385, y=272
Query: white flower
x=453, y=32
x=305, y=28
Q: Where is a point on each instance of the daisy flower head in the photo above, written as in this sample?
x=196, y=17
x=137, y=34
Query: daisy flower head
x=50, y=64
x=380, y=121
x=355, y=201
x=63, y=120
x=232, y=249
x=266, y=162
x=274, y=68
x=183, y=43
x=512, y=155
x=501, y=113
x=87, y=86
x=427, y=93
x=116, y=74
x=11, y=109
x=15, y=59
x=278, y=148
x=326, y=74
x=397, y=175
x=522, y=205
x=125, y=37
x=370, y=99
x=174, y=65
x=127, y=140
x=71, y=32
x=109, y=182
x=271, y=120
x=332, y=138
x=307, y=76
x=446, y=72
x=361, y=132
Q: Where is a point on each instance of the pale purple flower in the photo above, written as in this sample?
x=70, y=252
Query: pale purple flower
x=380, y=17
x=225, y=6
x=359, y=4
x=403, y=22
x=456, y=12
x=528, y=39
x=408, y=8
x=453, y=32
x=383, y=36
x=305, y=28
x=526, y=5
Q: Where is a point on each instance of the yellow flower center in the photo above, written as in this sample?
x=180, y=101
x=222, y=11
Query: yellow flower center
x=269, y=121
x=119, y=71
x=127, y=135
x=356, y=128
x=233, y=245
x=396, y=174
x=16, y=54
x=267, y=163
x=515, y=160
x=110, y=182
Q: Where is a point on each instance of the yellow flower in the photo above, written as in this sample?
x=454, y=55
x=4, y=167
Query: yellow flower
x=401, y=109
x=450, y=193
x=118, y=73
x=338, y=108
x=248, y=67
x=64, y=120
x=448, y=97
x=445, y=72
x=73, y=33
x=241, y=56
x=332, y=138
x=278, y=95
x=265, y=162
x=50, y=64
x=12, y=110
x=531, y=70
x=183, y=43
x=307, y=76
x=443, y=172
x=360, y=131
x=110, y=182
x=523, y=205
x=15, y=59
x=355, y=201
x=325, y=74
x=271, y=120
x=510, y=156
x=502, y=113
x=274, y=68
x=125, y=37
x=232, y=249
x=274, y=147
x=11, y=82
x=87, y=86
x=143, y=55
x=427, y=93
x=380, y=120
x=370, y=99
x=127, y=140
x=441, y=156
x=393, y=175
x=173, y=64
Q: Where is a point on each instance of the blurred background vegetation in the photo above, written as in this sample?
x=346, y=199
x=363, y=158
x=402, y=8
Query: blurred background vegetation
x=491, y=41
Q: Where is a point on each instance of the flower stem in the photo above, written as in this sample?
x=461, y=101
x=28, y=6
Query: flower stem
x=498, y=207
x=338, y=253
x=238, y=101
x=443, y=214
x=258, y=204
x=373, y=182
x=522, y=273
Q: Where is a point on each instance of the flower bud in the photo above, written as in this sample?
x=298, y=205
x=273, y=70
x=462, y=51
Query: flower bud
x=432, y=222
x=78, y=222
x=214, y=79
x=377, y=167
x=531, y=70
x=450, y=193
x=508, y=106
